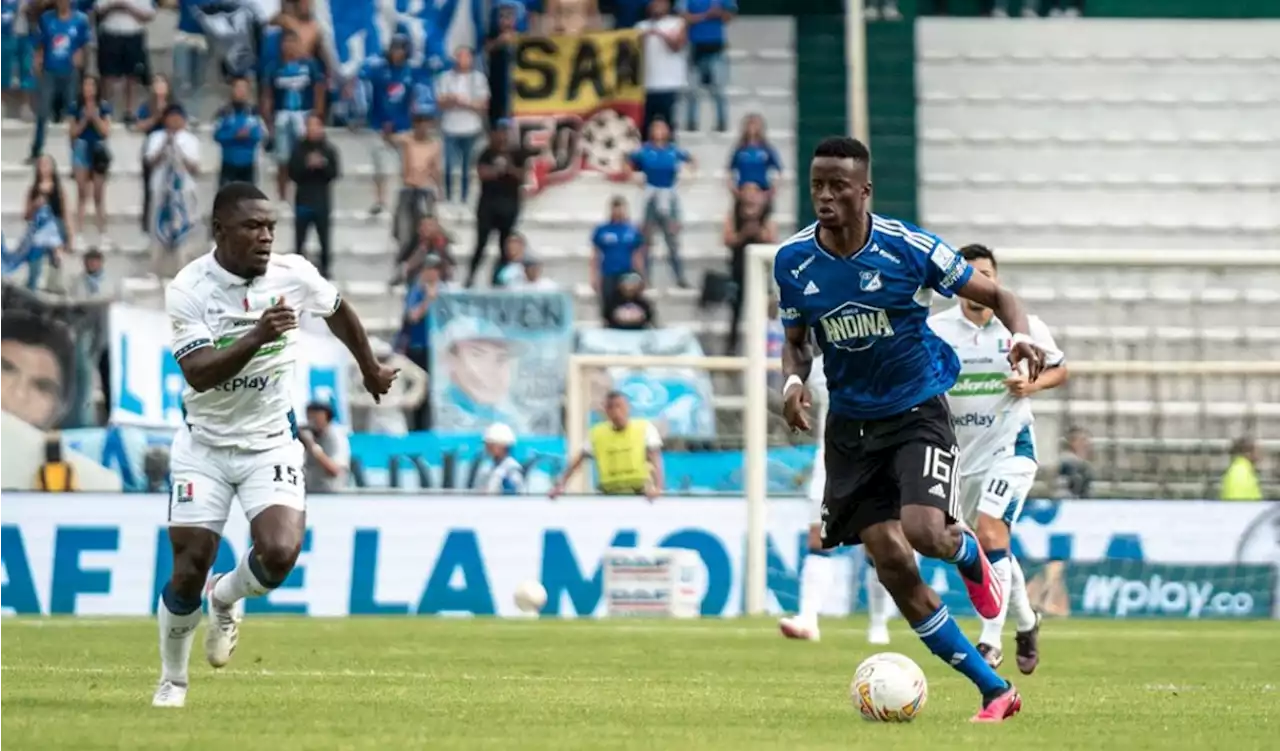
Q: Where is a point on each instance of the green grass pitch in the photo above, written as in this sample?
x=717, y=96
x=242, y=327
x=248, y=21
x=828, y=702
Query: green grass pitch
x=526, y=684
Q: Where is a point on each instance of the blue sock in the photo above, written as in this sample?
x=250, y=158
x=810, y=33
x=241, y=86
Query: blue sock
x=942, y=635
x=177, y=605
x=995, y=556
x=260, y=573
x=966, y=556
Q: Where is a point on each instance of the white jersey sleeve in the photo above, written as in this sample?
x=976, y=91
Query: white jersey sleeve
x=186, y=318
x=1040, y=334
x=322, y=298
x=652, y=438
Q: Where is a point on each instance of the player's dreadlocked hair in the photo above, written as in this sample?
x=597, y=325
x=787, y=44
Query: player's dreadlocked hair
x=231, y=194
x=843, y=147
x=975, y=251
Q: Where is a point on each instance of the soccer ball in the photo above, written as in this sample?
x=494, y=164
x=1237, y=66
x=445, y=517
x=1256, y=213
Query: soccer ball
x=607, y=138
x=889, y=687
x=530, y=597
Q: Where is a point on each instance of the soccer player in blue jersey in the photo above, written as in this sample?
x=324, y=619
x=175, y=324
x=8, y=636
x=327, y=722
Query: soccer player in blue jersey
x=864, y=283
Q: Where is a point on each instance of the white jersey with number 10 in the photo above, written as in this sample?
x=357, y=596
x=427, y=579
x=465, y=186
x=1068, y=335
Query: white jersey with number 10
x=989, y=422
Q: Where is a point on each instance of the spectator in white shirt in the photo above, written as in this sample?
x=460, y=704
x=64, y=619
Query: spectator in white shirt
x=512, y=273
x=122, y=45
x=505, y=476
x=173, y=156
x=534, y=281
x=463, y=96
x=666, y=69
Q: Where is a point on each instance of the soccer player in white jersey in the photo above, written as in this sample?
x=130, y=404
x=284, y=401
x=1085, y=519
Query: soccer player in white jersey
x=817, y=570
x=234, y=314
x=993, y=423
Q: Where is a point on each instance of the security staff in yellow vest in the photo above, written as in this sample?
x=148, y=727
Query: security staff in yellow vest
x=628, y=453
x=55, y=475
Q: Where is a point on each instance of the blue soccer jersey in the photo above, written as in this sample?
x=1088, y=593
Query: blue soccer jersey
x=869, y=314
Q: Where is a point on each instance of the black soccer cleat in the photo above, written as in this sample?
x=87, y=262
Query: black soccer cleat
x=1028, y=648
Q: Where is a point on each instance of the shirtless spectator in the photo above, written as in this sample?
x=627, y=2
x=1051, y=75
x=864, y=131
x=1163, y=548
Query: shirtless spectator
x=420, y=161
x=315, y=40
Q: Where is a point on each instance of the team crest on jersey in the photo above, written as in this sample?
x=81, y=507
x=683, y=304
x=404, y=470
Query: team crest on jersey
x=248, y=306
x=854, y=327
x=869, y=281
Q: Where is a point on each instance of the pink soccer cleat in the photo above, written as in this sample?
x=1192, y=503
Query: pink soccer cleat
x=1001, y=708
x=985, y=592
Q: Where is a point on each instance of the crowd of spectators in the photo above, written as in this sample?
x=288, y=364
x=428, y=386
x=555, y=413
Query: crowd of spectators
x=439, y=120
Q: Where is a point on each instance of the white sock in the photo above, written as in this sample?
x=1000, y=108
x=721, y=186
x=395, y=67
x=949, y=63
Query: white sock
x=878, y=601
x=238, y=584
x=814, y=580
x=176, y=634
x=991, y=629
x=1019, y=602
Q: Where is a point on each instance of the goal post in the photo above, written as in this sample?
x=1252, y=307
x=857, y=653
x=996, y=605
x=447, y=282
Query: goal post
x=582, y=387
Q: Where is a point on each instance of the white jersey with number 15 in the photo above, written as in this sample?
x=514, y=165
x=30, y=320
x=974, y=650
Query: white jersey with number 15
x=209, y=306
x=988, y=420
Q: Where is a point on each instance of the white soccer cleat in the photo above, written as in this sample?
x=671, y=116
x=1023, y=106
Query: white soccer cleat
x=795, y=627
x=170, y=694
x=223, y=628
x=878, y=636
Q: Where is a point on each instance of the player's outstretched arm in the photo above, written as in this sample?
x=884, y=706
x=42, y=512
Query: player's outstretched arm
x=1008, y=308
x=345, y=324
x=207, y=366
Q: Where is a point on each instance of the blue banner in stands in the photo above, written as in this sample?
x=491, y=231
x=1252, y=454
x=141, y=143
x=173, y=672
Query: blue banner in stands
x=500, y=357
x=679, y=401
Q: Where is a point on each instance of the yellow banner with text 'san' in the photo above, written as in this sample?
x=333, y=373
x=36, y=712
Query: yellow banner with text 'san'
x=562, y=75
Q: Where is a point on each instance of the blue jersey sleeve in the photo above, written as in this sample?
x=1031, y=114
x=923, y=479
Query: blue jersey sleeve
x=636, y=160
x=683, y=155
x=946, y=271
x=790, y=292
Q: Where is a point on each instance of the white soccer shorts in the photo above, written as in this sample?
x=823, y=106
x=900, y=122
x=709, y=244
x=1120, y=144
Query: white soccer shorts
x=206, y=478
x=817, y=486
x=1000, y=492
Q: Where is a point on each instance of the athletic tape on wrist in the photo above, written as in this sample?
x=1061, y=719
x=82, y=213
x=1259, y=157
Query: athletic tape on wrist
x=792, y=380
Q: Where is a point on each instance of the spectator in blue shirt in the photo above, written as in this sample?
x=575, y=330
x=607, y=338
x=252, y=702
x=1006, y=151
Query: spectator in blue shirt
x=16, y=73
x=60, y=36
x=148, y=120
x=708, y=62
x=628, y=13
x=238, y=130
x=297, y=88
x=754, y=161
x=392, y=84
x=90, y=157
x=617, y=249
x=659, y=160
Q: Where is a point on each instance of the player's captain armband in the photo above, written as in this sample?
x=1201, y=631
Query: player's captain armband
x=789, y=315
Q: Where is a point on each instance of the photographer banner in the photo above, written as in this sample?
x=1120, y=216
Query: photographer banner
x=679, y=401
x=499, y=357
x=578, y=102
x=147, y=384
